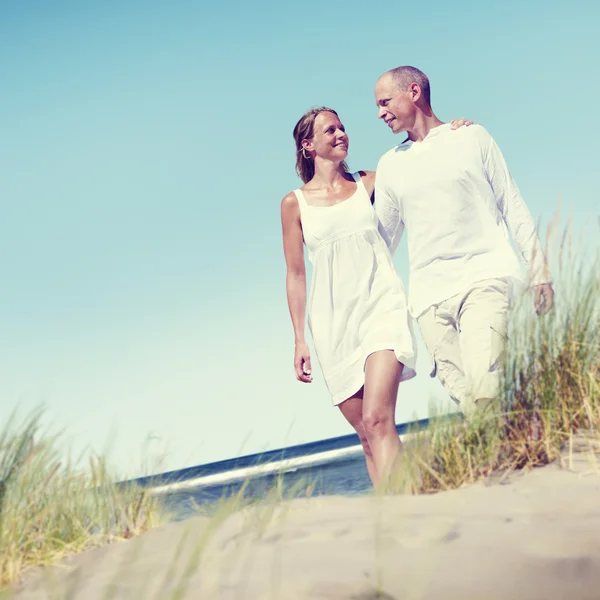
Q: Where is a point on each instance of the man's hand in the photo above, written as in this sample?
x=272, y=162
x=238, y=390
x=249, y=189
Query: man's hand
x=456, y=123
x=302, y=363
x=543, y=298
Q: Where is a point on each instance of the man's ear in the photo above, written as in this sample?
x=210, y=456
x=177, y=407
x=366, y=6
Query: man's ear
x=415, y=91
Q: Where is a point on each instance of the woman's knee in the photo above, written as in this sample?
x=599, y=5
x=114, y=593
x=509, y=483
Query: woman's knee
x=377, y=421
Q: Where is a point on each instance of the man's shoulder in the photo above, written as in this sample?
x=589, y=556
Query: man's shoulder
x=475, y=132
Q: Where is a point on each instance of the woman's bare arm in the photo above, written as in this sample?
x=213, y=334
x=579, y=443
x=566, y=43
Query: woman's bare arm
x=293, y=248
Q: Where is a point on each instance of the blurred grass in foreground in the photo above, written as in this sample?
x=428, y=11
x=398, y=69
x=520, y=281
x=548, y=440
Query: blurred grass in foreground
x=49, y=509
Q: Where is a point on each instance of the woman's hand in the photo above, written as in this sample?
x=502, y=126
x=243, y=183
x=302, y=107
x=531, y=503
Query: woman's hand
x=302, y=363
x=457, y=123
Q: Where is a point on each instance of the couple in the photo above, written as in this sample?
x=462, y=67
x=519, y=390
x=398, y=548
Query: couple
x=450, y=187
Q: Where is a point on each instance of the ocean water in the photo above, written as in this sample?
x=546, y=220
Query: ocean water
x=334, y=466
x=343, y=476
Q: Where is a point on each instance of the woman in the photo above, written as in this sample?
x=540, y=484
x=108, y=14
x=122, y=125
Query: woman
x=357, y=311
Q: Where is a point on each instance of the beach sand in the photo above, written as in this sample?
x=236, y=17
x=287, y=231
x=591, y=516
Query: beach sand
x=526, y=536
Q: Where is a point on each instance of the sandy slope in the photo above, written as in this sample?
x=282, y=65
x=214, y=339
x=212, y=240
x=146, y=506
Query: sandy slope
x=530, y=536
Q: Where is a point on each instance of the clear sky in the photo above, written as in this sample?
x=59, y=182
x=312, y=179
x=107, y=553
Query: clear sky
x=144, y=151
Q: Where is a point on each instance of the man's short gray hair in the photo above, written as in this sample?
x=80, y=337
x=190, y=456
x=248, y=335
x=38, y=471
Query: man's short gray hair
x=404, y=76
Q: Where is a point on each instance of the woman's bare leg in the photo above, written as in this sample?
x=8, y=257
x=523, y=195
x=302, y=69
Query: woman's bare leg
x=382, y=379
x=352, y=410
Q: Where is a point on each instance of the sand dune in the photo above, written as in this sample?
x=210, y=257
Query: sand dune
x=529, y=536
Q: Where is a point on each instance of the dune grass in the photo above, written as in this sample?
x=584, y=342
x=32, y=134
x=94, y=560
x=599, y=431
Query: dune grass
x=49, y=509
x=184, y=559
x=551, y=393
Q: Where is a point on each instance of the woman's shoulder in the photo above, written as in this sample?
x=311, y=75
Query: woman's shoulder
x=368, y=180
x=367, y=175
x=289, y=202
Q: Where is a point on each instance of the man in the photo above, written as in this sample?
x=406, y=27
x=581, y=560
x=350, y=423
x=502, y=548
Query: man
x=453, y=193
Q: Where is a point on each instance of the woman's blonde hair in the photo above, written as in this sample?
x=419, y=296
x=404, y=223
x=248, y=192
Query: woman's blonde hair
x=305, y=130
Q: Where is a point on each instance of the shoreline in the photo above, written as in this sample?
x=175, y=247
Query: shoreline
x=273, y=462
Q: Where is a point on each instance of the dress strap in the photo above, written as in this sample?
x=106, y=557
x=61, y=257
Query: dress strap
x=301, y=198
x=359, y=180
x=360, y=184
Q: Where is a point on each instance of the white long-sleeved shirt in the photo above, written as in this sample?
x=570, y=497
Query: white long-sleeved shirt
x=453, y=193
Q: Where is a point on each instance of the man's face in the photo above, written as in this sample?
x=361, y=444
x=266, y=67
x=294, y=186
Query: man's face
x=396, y=107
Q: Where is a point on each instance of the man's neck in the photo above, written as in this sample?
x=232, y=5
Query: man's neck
x=425, y=121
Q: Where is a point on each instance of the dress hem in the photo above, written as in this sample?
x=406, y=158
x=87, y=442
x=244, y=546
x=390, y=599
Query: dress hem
x=408, y=371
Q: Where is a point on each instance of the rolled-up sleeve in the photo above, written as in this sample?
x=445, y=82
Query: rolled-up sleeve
x=514, y=211
x=391, y=225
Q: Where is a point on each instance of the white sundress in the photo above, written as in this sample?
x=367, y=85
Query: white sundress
x=357, y=303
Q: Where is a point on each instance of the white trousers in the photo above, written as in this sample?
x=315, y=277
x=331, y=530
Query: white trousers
x=467, y=337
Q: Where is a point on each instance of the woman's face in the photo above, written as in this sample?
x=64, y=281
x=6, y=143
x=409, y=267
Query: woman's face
x=329, y=140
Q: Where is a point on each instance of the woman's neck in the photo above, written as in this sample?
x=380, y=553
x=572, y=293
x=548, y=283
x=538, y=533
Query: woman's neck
x=328, y=175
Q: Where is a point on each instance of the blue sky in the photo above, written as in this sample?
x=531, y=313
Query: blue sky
x=145, y=148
